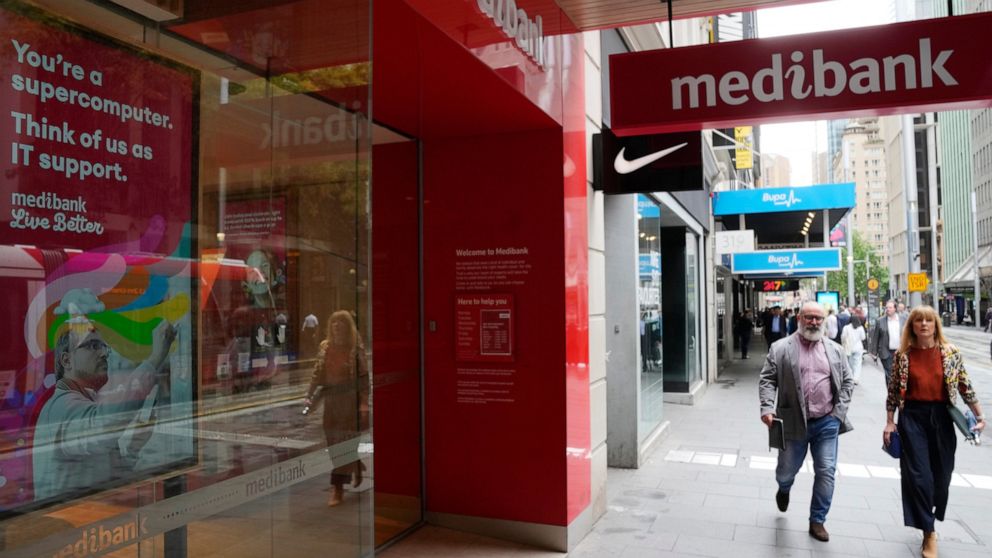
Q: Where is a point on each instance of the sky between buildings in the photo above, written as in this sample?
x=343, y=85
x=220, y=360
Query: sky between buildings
x=799, y=140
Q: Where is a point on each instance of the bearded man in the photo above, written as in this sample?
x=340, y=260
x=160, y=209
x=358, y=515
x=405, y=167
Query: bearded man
x=807, y=383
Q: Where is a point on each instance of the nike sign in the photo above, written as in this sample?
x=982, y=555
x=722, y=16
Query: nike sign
x=623, y=166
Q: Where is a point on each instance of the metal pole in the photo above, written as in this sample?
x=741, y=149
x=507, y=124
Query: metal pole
x=868, y=277
x=826, y=242
x=850, y=264
x=978, y=279
x=932, y=183
x=909, y=192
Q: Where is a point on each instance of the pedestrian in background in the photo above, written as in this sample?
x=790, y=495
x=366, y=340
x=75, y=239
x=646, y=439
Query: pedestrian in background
x=806, y=382
x=928, y=374
x=885, y=337
x=774, y=326
x=853, y=340
x=744, y=327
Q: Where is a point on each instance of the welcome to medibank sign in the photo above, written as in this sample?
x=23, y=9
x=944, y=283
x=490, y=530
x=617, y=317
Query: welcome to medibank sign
x=887, y=69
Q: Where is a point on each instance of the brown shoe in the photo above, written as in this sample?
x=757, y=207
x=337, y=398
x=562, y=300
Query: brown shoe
x=818, y=532
x=929, y=548
x=337, y=494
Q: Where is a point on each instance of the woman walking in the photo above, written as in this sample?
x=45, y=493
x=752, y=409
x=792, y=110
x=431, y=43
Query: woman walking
x=927, y=375
x=853, y=339
x=341, y=380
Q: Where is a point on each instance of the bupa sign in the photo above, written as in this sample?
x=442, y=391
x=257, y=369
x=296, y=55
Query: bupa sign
x=790, y=198
x=786, y=261
x=906, y=67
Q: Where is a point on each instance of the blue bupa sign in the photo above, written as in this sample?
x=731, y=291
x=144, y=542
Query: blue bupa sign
x=786, y=261
x=791, y=198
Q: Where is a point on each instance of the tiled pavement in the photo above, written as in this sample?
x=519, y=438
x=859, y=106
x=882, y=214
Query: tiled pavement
x=708, y=491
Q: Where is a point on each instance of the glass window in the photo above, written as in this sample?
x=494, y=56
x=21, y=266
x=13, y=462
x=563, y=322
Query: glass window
x=188, y=262
x=649, y=302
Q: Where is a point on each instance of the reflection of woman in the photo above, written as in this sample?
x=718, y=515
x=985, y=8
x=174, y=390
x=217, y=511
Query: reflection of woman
x=927, y=374
x=341, y=377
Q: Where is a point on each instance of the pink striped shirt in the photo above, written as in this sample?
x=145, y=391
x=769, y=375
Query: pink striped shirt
x=814, y=373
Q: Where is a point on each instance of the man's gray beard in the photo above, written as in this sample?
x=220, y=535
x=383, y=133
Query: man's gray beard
x=812, y=335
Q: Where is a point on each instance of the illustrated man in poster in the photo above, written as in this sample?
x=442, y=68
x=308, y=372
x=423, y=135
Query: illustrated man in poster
x=86, y=433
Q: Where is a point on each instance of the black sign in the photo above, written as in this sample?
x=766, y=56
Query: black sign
x=642, y=164
x=777, y=285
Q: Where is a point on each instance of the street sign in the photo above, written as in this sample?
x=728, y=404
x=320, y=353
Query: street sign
x=873, y=284
x=918, y=282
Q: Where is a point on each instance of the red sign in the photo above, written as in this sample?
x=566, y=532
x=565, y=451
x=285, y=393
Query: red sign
x=889, y=69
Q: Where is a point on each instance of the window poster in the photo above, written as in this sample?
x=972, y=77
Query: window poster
x=97, y=172
x=255, y=234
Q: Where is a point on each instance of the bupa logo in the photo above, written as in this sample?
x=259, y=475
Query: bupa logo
x=782, y=200
x=786, y=262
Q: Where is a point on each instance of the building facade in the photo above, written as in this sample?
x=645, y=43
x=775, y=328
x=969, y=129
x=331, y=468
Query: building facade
x=861, y=160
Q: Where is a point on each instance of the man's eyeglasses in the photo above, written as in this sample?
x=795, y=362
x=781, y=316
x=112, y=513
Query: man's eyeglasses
x=95, y=345
x=813, y=318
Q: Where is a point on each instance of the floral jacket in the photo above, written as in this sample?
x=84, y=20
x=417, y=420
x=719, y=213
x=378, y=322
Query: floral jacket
x=955, y=378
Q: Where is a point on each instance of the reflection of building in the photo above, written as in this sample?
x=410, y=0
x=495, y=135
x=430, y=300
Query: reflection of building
x=861, y=160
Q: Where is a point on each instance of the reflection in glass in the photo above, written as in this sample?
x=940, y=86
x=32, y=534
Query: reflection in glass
x=650, y=323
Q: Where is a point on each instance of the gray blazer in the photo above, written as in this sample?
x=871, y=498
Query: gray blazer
x=780, y=388
x=878, y=344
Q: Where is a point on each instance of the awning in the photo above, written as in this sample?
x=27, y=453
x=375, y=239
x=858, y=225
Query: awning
x=964, y=276
x=778, y=215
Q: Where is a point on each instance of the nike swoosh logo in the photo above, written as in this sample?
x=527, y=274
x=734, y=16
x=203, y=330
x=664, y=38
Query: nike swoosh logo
x=623, y=166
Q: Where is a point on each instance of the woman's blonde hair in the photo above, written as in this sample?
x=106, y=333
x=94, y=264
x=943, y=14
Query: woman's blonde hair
x=909, y=336
x=351, y=334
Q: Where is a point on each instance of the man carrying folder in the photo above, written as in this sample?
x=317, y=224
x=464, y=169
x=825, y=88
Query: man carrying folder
x=807, y=384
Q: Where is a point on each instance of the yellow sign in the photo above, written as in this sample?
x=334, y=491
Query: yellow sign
x=873, y=284
x=743, y=135
x=918, y=282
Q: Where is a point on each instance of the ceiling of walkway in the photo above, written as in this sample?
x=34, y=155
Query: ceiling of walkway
x=599, y=14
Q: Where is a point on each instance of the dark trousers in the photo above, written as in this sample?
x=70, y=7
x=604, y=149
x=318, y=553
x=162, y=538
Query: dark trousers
x=928, y=444
x=773, y=336
x=887, y=367
x=745, y=342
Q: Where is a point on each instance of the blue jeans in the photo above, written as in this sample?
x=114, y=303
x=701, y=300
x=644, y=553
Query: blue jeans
x=821, y=438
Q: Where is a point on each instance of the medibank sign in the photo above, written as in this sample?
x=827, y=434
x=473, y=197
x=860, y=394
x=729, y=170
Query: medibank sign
x=888, y=69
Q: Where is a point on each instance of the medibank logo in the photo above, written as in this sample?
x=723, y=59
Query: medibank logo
x=781, y=200
x=829, y=78
x=527, y=33
x=100, y=539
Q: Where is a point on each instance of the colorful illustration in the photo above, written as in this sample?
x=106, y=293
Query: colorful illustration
x=95, y=242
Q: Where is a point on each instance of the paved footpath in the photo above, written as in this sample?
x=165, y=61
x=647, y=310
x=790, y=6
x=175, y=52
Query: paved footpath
x=708, y=489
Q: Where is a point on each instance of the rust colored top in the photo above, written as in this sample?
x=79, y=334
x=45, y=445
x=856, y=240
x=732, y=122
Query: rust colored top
x=926, y=376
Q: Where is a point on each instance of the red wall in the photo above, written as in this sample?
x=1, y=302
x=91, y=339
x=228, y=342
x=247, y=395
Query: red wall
x=501, y=460
x=396, y=319
x=503, y=166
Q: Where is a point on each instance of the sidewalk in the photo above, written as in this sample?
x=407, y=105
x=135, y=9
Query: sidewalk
x=708, y=490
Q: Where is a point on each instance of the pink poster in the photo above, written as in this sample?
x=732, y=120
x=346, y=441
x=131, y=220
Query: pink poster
x=96, y=205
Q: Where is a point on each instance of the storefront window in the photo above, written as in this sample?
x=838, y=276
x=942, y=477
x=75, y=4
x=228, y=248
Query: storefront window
x=185, y=257
x=649, y=302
